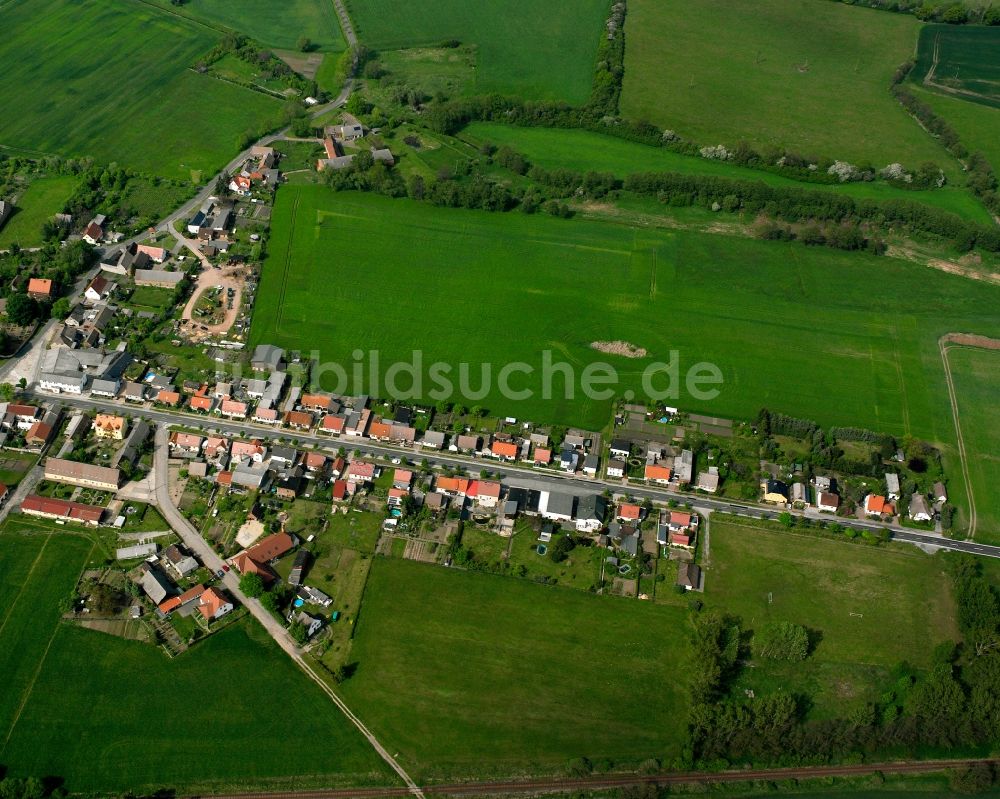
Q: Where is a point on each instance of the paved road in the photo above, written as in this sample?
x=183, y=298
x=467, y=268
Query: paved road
x=513, y=475
x=193, y=541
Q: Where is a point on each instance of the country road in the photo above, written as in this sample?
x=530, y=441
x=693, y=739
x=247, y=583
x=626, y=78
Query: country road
x=193, y=541
x=512, y=475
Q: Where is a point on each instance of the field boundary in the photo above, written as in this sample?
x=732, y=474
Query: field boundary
x=287, y=261
x=969, y=341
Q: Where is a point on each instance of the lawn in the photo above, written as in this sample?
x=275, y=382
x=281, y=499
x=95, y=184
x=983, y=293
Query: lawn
x=583, y=150
x=278, y=25
x=962, y=60
x=112, y=80
x=152, y=297
x=870, y=609
x=37, y=204
x=536, y=50
x=106, y=714
x=481, y=288
x=976, y=374
x=468, y=674
x=806, y=75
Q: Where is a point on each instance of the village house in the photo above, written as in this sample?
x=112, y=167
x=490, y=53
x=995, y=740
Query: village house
x=63, y=510
x=503, y=450
x=877, y=506
x=169, y=398
x=184, y=444
x=332, y=424
x=98, y=289
x=940, y=493
x=688, y=576
x=708, y=481
x=827, y=502
x=201, y=403
x=660, y=475
x=108, y=426
x=466, y=443
x=892, y=485
x=233, y=409
x=557, y=506
x=248, y=450
x=620, y=449
x=616, y=468
x=84, y=475
x=433, y=439
x=684, y=467
x=542, y=456
x=214, y=604
x=919, y=510
x=591, y=464
x=179, y=561
x=591, y=511
x=486, y=493
x=258, y=558
x=775, y=492
x=362, y=472
x=629, y=512
x=299, y=420
x=39, y=288
x=93, y=234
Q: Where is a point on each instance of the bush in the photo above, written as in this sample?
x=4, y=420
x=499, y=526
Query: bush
x=781, y=641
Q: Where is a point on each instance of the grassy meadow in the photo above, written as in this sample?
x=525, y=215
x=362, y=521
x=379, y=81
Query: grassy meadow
x=806, y=75
x=977, y=125
x=961, y=59
x=112, y=80
x=976, y=375
x=535, y=50
x=363, y=271
x=869, y=610
x=469, y=674
x=42, y=199
x=583, y=150
x=111, y=715
x=278, y=25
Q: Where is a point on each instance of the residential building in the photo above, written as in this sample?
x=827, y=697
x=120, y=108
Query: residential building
x=919, y=510
x=107, y=425
x=827, y=501
x=62, y=510
x=85, y=475
x=775, y=491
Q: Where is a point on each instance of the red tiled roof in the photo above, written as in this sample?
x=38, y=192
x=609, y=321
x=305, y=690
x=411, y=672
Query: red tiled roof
x=678, y=519
x=168, y=397
x=60, y=507
x=657, y=472
x=199, y=403
x=503, y=449
x=40, y=285
x=627, y=511
x=334, y=424
x=379, y=430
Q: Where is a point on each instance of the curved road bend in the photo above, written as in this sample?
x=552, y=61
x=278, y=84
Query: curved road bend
x=192, y=540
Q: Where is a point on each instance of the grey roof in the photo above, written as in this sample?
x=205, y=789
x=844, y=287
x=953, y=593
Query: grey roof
x=434, y=438
x=267, y=355
x=630, y=544
x=156, y=585
x=591, y=507
x=560, y=503
x=133, y=443
x=136, y=551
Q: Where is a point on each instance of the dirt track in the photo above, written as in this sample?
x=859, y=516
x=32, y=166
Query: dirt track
x=550, y=785
x=945, y=343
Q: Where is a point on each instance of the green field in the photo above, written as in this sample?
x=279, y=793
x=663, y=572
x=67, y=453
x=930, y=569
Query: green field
x=961, y=60
x=111, y=715
x=38, y=203
x=582, y=150
x=536, y=50
x=977, y=125
x=976, y=374
x=468, y=674
x=802, y=74
x=112, y=80
x=363, y=271
x=278, y=25
x=871, y=610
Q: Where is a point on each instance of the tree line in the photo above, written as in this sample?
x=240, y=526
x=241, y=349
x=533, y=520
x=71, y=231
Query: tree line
x=954, y=704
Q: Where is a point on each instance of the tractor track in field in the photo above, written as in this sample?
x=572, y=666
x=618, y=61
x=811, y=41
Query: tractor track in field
x=945, y=343
x=603, y=782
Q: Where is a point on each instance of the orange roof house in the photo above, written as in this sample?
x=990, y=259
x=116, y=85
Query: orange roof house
x=40, y=288
x=657, y=474
x=629, y=512
x=504, y=449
